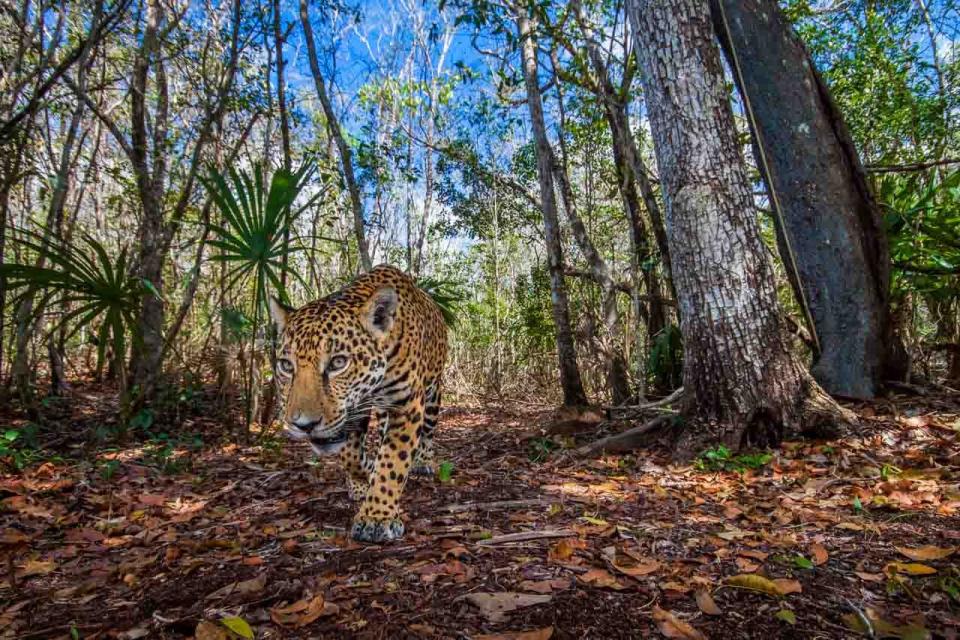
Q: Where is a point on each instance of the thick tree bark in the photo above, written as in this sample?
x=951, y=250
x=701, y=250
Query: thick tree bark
x=570, y=381
x=744, y=384
x=333, y=127
x=831, y=220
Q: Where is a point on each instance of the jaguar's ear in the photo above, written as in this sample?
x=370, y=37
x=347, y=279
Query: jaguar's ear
x=279, y=312
x=379, y=312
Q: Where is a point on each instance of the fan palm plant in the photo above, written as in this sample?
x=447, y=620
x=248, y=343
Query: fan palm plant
x=83, y=279
x=252, y=239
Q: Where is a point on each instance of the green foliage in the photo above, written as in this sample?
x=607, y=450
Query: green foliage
x=445, y=471
x=665, y=363
x=720, y=458
x=447, y=294
x=96, y=289
x=540, y=449
x=922, y=218
x=256, y=221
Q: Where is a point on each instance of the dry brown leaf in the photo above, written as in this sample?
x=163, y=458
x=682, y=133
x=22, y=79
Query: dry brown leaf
x=36, y=568
x=243, y=588
x=536, y=634
x=210, y=631
x=927, y=553
x=564, y=549
x=819, y=553
x=495, y=606
x=545, y=586
x=673, y=627
x=746, y=565
x=706, y=603
x=787, y=586
x=601, y=578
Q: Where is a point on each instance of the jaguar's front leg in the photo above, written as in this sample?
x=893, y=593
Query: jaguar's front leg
x=353, y=458
x=379, y=517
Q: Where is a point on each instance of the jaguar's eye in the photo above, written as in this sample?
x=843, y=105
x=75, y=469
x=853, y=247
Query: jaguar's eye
x=337, y=363
x=285, y=365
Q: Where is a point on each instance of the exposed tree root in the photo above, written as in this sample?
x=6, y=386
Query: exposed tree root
x=628, y=440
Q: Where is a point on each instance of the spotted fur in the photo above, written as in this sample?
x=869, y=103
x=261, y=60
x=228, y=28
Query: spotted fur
x=372, y=352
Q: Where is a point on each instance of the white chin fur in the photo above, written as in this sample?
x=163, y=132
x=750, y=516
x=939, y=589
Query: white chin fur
x=296, y=434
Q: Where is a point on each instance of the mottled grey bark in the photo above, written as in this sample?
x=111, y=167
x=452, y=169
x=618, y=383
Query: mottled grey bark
x=830, y=217
x=744, y=384
x=570, y=381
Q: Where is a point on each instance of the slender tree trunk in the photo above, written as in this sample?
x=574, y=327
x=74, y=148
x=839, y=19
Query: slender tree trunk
x=745, y=385
x=146, y=360
x=333, y=127
x=570, y=381
x=831, y=227
x=615, y=364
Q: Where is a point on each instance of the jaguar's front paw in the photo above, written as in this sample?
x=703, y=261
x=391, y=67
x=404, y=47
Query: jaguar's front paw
x=365, y=530
x=422, y=470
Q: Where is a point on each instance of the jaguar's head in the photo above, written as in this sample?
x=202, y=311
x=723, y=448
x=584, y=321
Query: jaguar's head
x=331, y=359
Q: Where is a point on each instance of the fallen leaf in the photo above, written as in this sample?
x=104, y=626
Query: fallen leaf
x=706, y=603
x=243, y=588
x=869, y=577
x=673, y=627
x=927, y=553
x=239, y=626
x=601, y=578
x=563, y=550
x=819, y=553
x=303, y=612
x=545, y=586
x=746, y=565
x=786, y=616
x=495, y=606
x=37, y=567
x=754, y=582
x=536, y=634
x=910, y=568
x=788, y=586
x=210, y=631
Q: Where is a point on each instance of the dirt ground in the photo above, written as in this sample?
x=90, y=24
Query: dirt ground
x=178, y=536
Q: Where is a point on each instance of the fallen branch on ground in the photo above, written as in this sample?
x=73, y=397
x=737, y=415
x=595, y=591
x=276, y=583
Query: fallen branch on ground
x=626, y=441
x=525, y=536
x=492, y=506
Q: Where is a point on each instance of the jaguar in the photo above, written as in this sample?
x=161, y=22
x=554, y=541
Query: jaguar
x=372, y=352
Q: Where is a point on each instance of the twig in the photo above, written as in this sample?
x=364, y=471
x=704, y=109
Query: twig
x=524, y=536
x=914, y=166
x=632, y=410
x=491, y=506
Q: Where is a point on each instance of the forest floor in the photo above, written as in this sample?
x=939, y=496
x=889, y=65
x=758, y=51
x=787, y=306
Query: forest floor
x=179, y=536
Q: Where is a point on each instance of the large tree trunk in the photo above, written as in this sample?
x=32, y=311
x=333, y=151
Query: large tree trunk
x=570, y=381
x=333, y=127
x=832, y=223
x=744, y=384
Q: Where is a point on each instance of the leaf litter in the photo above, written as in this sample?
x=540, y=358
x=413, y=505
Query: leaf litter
x=840, y=539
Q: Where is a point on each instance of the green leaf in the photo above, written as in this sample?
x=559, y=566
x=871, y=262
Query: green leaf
x=239, y=626
x=786, y=615
x=445, y=471
x=802, y=562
